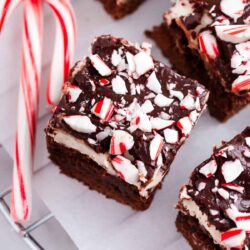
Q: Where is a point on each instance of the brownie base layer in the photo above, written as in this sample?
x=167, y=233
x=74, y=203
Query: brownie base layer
x=121, y=10
x=189, y=227
x=82, y=168
x=173, y=44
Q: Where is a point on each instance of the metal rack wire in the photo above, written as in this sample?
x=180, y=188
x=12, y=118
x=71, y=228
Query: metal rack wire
x=24, y=232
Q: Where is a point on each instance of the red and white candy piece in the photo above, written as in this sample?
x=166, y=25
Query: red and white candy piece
x=233, y=33
x=126, y=170
x=121, y=142
x=193, y=116
x=187, y=103
x=80, y=123
x=231, y=170
x=104, y=82
x=155, y=147
x=104, y=109
x=233, y=186
x=159, y=124
x=247, y=139
x=185, y=125
x=73, y=93
x=143, y=63
x=100, y=65
x=209, y=169
x=233, y=8
x=153, y=83
x=241, y=219
x=208, y=45
x=162, y=101
x=221, y=20
x=233, y=238
x=241, y=83
x=119, y=85
x=171, y=136
x=142, y=121
x=147, y=107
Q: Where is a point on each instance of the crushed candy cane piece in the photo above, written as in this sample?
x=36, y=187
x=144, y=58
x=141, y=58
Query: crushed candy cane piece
x=233, y=186
x=233, y=238
x=100, y=65
x=187, y=103
x=80, y=123
x=241, y=83
x=153, y=83
x=73, y=93
x=231, y=170
x=155, y=147
x=143, y=63
x=159, y=124
x=119, y=85
x=185, y=125
x=171, y=136
x=209, y=169
x=233, y=8
x=162, y=101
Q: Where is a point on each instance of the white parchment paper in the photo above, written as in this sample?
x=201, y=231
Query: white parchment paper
x=93, y=221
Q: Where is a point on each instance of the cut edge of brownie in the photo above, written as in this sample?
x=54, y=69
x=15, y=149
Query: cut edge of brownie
x=221, y=104
x=190, y=228
x=80, y=167
x=121, y=10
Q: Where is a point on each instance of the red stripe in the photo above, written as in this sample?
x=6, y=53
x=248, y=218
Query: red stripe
x=98, y=107
x=122, y=147
x=229, y=234
x=242, y=218
x=112, y=149
x=117, y=160
x=203, y=47
x=4, y=14
x=65, y=40
x=241, y=85
x=21, y=182
x=237, y=31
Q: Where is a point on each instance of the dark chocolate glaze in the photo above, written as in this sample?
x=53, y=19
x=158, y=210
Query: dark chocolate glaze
x=104, y=47
x=222, y=64
x=206, y=199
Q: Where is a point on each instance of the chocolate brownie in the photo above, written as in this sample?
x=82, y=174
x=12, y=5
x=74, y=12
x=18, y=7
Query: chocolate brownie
x=215, y=204
x=209, y=40
x=121, y=120
x=120, y=8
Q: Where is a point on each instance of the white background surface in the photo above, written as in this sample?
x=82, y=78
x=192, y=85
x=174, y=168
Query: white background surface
x=93, y=221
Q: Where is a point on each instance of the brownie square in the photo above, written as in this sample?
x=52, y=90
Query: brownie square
x=120, y=8
x=121, y=120
x=210, y=41
x=214, y=207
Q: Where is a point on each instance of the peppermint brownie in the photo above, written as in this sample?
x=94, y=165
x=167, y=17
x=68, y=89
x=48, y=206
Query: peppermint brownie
x=121, y=120
x=120, y=8
x=210, y=41
x=215, y=204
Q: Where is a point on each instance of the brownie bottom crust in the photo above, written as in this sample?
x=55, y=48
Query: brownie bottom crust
x=121, y=10
x=78, y=166
x=173, y=44
x=190, y=228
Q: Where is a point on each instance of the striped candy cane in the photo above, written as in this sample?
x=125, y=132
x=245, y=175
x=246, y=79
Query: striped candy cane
x=6, y=7
x=64, y=48
x=30, y=84
x=27, y=110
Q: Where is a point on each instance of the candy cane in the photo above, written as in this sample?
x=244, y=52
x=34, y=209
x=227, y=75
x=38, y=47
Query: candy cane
x=64, y=48
x=27, y=110
x=6, y=7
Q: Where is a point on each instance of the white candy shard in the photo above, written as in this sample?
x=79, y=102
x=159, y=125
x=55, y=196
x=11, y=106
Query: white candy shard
x=126, y=170
x=153, y=83
x=171, y=136
x=223, y=193
x=80, y=123
x=73, y=93
x=185, y=124
x=233, y=33
x=231, y=170
x=147, y=107
x=131, y=62
x=159, y=124
x=233, y=8
x=162, y=101
x=155, y=147
x=175, y=93
x=209, y=169
x=248, y=141
x=188, y=103
x=119, y=85
x=100, y=65
x=121, y=142
x=208, y=45
x=142, y=121
x=143, y=63
x=116, y=58
x=233, y=186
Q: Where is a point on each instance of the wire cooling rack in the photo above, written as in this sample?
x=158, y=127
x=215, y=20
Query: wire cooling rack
x=24, y=232
x=31, y=233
